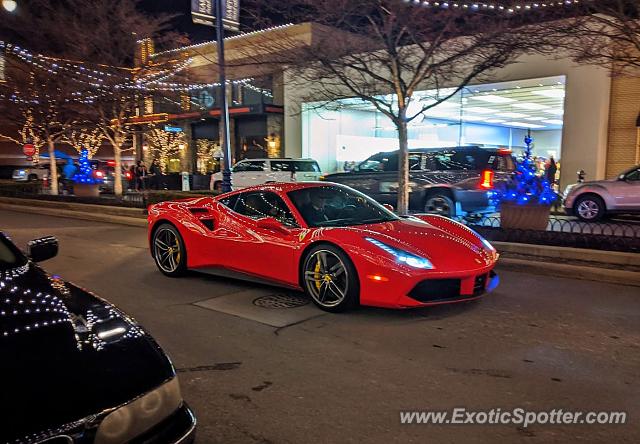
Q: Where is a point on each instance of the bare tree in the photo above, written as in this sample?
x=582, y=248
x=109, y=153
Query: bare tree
x=41, y=104
x=21, y=135
x=604, y=33
x=96, y=44
x=384, y=51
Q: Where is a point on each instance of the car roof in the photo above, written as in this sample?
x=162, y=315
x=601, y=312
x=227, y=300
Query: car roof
x=284, y=187
x=445, y=148
x=262, y=159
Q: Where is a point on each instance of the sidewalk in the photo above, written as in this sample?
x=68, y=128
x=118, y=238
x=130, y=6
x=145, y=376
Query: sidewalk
x=577, y=263
x=97, y=213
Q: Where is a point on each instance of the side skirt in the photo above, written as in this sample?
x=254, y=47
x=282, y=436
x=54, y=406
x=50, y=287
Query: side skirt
x=243, y=276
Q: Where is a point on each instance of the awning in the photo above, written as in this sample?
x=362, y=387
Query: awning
x=59, y=155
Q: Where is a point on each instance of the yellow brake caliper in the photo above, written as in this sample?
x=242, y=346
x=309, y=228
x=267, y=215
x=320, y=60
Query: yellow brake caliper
x=316, y=275
x=177, y=247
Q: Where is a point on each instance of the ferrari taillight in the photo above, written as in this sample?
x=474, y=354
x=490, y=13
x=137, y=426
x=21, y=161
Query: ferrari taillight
x=486, y=180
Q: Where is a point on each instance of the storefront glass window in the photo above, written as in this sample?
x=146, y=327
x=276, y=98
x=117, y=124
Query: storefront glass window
x=340, y=134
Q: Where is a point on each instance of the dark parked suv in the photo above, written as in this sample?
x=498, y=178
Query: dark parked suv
x=448, y=181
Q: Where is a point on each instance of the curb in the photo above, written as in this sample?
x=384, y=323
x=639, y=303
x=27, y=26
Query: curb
x=82, y=215
x=571, y=271
x=72, y=206
x=546, y=252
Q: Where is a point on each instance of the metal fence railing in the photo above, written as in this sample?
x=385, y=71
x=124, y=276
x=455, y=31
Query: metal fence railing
x=563, y=231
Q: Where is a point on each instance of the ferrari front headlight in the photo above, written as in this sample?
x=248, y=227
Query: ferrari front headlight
x=402, y=256
x=133, y=419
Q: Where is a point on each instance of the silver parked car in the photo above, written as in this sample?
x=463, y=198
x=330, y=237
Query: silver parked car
x=591, y=201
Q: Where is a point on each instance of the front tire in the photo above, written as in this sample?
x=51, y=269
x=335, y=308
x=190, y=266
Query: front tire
x=589, y=208
x=330, y=279
x=169, y=251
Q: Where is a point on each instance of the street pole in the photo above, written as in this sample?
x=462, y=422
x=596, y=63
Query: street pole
x=224, y=107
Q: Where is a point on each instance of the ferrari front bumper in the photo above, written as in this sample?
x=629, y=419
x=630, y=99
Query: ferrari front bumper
x=395, y=290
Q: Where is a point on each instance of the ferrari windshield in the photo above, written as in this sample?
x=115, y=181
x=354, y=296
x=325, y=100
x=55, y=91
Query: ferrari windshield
x=337, y=206
x=10, y=257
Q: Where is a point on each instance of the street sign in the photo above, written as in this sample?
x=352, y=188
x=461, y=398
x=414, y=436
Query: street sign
x=172, y=129
x=202, y=12
x=29, y=149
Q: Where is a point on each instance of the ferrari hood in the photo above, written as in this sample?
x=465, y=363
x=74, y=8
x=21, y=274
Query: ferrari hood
x=67, y=354
x=449, y=246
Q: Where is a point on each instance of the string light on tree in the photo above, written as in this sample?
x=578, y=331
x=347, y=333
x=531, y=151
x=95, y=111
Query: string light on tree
x=492, y=6
x=165, y=145
x=9, y=5
x=85, y=139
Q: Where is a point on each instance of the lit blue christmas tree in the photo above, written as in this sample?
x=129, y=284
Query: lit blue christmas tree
x=527, y=187
x=85, y=175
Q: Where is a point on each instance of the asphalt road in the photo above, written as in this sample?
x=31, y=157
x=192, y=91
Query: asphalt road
x=539, y=343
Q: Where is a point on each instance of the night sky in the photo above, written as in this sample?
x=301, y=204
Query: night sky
x=183, y=23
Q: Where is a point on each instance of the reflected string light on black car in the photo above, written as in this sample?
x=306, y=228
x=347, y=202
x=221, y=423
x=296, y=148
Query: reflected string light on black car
x=42, y=309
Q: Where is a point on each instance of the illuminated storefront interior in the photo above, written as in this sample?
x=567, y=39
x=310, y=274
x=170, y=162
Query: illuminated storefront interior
x=488, y=115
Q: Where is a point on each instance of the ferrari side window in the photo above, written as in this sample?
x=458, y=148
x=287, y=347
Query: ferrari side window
x=260, y=204
x=230, y=201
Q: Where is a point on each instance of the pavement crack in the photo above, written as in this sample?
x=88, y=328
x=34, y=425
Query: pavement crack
x=239, y=397
x=207, y=368
x=495, y=373
x=261, y=387
x=279, y=329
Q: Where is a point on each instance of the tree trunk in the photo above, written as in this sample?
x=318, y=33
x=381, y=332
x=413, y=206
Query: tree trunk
x=53, y=171
x=117, y=173
x=403, y=168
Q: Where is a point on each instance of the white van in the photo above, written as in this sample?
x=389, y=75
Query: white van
x=249, y=172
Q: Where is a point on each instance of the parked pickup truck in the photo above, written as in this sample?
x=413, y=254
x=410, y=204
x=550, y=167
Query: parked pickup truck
x=30, y=174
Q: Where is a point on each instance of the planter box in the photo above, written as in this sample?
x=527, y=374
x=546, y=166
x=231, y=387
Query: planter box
x=524, y=217
x=86, y=190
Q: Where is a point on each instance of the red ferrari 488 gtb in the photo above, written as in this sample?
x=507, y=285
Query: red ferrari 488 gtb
x=338, y=245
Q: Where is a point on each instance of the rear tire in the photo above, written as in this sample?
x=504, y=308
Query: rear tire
x=439, y=203
x=589, y=208
x=169, y=251
x=330, y=279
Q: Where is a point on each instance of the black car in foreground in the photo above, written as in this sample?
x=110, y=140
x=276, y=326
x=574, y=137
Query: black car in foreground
x=74, y=368
x=451, y=182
